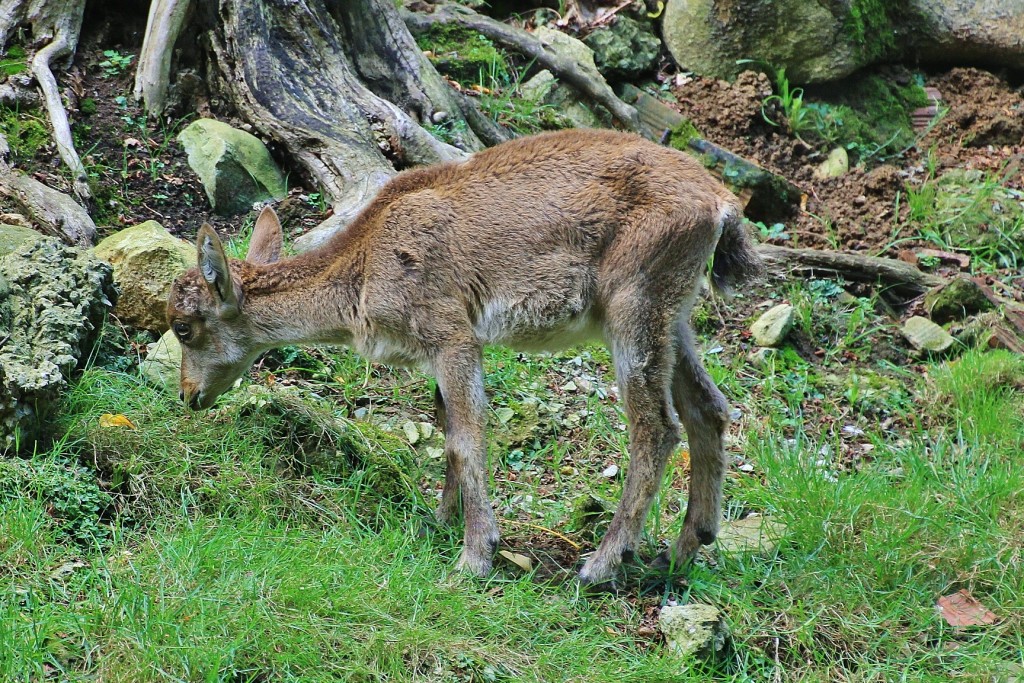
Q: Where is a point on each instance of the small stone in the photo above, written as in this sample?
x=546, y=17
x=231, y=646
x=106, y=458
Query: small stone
x=751, y=534
x=426, y=430
x=610, y=471
x=837, y=164
x=763, y=357
x=569, y=386
x=236, y=169
x=746, y=467
x=434, y=453
x=361, y=413
x=411, y=431
x=695, y=629
x=162, y=366
x=566, y=470
x=955, y=300
x=773, y=326
x=504, y=414
x=924, y=335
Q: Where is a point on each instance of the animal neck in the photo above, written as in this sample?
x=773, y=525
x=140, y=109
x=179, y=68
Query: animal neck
x=308, y=299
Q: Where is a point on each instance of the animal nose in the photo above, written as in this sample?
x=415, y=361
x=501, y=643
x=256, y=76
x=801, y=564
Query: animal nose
x=190, y=394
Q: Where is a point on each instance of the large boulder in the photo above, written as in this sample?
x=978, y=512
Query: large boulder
x=146, y=259
x=52, y=302
x=235, y=167
x=808, y=38
x=981, y=31
x=819, y=41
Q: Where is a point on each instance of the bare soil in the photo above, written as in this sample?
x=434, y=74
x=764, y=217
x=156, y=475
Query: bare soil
x=983, y=129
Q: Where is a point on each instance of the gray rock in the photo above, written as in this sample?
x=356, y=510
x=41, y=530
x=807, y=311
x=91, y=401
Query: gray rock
x=806, y=37
x=773, y=325
x=823, y=41
x=545, y=89
x=837, y=164
x=694, y=630
x=752, y=534
x=162, y=365
x=52, y=302
x=763, y=357
x=146, y=259
x=955, y=300
x=924, y=335
x=627, y=48
x=14, y=236
x=235, y=167
x=957, y=32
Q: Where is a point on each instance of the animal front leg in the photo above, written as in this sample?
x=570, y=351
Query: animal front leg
x=460, y=380
x=448, y=510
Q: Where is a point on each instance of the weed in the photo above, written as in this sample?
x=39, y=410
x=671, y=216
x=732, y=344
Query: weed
x=115, y=63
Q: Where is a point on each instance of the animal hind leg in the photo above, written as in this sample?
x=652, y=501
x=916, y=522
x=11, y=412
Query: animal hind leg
x=643, y=363
x=705, y=415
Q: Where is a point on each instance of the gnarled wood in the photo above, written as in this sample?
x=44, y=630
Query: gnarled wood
x=152, y=76
x=856, y=267
x=288, y=69
x=57, y=24
x=592, y=86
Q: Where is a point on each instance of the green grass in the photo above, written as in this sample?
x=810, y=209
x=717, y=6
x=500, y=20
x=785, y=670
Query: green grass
x=287, y=534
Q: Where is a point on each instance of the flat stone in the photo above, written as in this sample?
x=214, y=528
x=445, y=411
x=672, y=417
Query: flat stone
x=752, y=534
x=14, y=236
x=924, y=335
x=694, y=630
x=162, y=365
x=955, y=300
x=773, y=326
x=837, y=164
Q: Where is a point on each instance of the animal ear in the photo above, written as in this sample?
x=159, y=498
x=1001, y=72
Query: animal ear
x=213, y=266
x=267, y=238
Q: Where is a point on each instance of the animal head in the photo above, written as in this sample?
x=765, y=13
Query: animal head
x=206, y=311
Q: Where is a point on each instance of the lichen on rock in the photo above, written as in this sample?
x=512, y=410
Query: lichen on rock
x=52, y=302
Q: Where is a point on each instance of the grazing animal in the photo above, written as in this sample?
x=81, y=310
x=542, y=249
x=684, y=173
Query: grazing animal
x=538, y=243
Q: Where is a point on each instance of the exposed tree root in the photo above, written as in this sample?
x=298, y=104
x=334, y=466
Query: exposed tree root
x=54, y=212
x=591, y=85
x=59, y=23
x=152, y=77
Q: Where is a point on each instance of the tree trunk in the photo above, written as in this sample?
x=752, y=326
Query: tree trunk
x=341, y=86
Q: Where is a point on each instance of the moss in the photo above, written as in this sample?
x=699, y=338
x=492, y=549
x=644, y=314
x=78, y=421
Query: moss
x=871, y=116
x=87, y=106
x=871, y=24
x=25, y=132
x=14, y=62
x=462, y=54
x=680, y=136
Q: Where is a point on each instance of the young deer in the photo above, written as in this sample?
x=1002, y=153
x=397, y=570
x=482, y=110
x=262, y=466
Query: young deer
x=538, y=243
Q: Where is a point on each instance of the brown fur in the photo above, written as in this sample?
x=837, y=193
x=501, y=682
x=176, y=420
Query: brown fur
x=537, y=243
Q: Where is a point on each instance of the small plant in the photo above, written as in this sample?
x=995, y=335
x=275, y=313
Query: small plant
x=798, y=117
x=115, y=63
x=14, y=61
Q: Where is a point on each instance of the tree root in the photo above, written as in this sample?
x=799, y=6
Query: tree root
x=54, y=212
x=856, y=267
x=166, y=19
x=60, y=24
x=592, y=86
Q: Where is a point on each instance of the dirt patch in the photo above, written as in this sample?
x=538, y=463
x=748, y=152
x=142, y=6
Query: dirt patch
x=863, y=210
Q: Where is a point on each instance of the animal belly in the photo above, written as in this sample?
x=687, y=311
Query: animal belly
x=526, y=329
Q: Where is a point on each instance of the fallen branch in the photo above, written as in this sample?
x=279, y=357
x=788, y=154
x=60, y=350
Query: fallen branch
x=591, y=84
x=855, y=267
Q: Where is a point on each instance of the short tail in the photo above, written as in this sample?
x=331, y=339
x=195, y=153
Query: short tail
x=736, y=261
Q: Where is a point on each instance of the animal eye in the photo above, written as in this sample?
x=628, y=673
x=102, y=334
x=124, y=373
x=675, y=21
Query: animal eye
x=182, y=331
